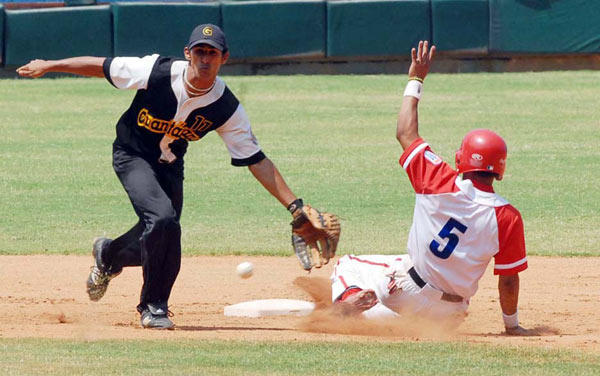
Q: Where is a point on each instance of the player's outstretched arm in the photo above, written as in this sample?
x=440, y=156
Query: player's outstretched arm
x=268, y=175
x=315, y=234
x=407, y=130
x=88, y=66
x=508, y=287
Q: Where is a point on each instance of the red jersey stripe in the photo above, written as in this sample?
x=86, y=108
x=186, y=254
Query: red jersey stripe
x=369, y=262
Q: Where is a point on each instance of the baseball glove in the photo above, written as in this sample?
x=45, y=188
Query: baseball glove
x=315, y=236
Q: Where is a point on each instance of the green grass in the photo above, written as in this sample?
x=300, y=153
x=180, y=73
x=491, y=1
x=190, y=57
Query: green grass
x=188, y=357
x=333, y=138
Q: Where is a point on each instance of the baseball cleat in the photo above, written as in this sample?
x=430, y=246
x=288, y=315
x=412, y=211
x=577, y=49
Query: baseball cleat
x=356, y=302
x=157, y=317
x=97, y=282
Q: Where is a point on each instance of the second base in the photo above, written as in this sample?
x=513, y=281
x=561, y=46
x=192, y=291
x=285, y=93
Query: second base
x=270, y=307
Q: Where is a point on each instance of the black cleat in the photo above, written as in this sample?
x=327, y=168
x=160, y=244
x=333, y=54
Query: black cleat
x=97, y=282
x=156, y=316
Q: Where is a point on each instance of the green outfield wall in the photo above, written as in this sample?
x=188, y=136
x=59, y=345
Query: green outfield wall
x=57, y=33
x=545, y=26
x=142, y=29
x=376, y=28
x=320, y=31
x=1, y=34
x=275, y=28
x=460, y=25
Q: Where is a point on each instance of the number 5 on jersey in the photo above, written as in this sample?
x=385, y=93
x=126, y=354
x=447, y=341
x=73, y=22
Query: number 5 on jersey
x=446, y=233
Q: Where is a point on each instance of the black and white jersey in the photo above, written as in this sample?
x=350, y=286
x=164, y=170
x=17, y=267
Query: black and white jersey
x=162, y=106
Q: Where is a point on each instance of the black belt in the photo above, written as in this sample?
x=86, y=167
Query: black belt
x=419, y=281
x=416, y=277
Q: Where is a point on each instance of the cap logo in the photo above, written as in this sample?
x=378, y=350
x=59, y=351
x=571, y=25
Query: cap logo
x=477, y=157
x=207, y=31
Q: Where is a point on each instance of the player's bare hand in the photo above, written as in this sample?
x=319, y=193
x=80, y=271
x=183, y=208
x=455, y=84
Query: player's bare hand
x=166, y=155
x=519, y=331
x=34, y=69
x=421, y=60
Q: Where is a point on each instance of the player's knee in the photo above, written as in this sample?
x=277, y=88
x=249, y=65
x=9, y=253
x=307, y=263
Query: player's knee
x=166, y=221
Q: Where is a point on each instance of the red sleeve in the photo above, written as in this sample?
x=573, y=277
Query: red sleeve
x=511, y=257
x=427, y=172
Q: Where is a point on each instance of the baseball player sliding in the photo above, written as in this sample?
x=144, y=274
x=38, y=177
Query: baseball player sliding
x=178, y=101
x=459, y=225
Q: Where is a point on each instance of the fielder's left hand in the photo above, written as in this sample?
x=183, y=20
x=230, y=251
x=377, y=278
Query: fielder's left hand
x=315, y=235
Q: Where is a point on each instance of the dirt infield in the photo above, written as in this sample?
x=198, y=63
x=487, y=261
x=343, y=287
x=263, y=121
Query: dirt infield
x=44, y=296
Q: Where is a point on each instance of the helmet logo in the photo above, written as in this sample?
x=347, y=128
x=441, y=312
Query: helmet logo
x=490, y=168
x=476, y=160
x=207, y=31
x=501, y=161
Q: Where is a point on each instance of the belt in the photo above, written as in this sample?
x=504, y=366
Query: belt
x=419, y=281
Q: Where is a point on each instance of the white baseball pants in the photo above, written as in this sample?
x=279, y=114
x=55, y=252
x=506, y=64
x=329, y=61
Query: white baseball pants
x=373, y=272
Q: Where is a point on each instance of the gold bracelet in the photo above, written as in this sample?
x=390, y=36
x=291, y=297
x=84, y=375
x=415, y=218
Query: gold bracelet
x=416, y=79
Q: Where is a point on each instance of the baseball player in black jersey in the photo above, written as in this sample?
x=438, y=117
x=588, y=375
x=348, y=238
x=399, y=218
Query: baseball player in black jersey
x=177, y=101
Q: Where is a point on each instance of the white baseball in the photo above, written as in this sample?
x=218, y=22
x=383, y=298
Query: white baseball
x=245, y=270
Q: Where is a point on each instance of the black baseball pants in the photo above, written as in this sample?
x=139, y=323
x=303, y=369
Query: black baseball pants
x=156, y=193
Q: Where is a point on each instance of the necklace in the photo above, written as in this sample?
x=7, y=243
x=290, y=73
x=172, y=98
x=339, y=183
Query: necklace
x=194, y=90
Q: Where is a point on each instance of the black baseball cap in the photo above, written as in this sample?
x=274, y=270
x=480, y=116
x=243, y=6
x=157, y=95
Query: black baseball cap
x=209, y=34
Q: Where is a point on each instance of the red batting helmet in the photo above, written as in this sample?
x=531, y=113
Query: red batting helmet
x=482, y=150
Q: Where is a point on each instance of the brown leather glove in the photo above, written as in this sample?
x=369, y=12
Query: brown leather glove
x=315, y=235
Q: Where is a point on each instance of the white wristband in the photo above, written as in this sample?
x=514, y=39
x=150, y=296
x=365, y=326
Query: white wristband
x=414, y=88
x=511, y=321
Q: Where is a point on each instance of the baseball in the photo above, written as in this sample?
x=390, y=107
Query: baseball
x=245, y=270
